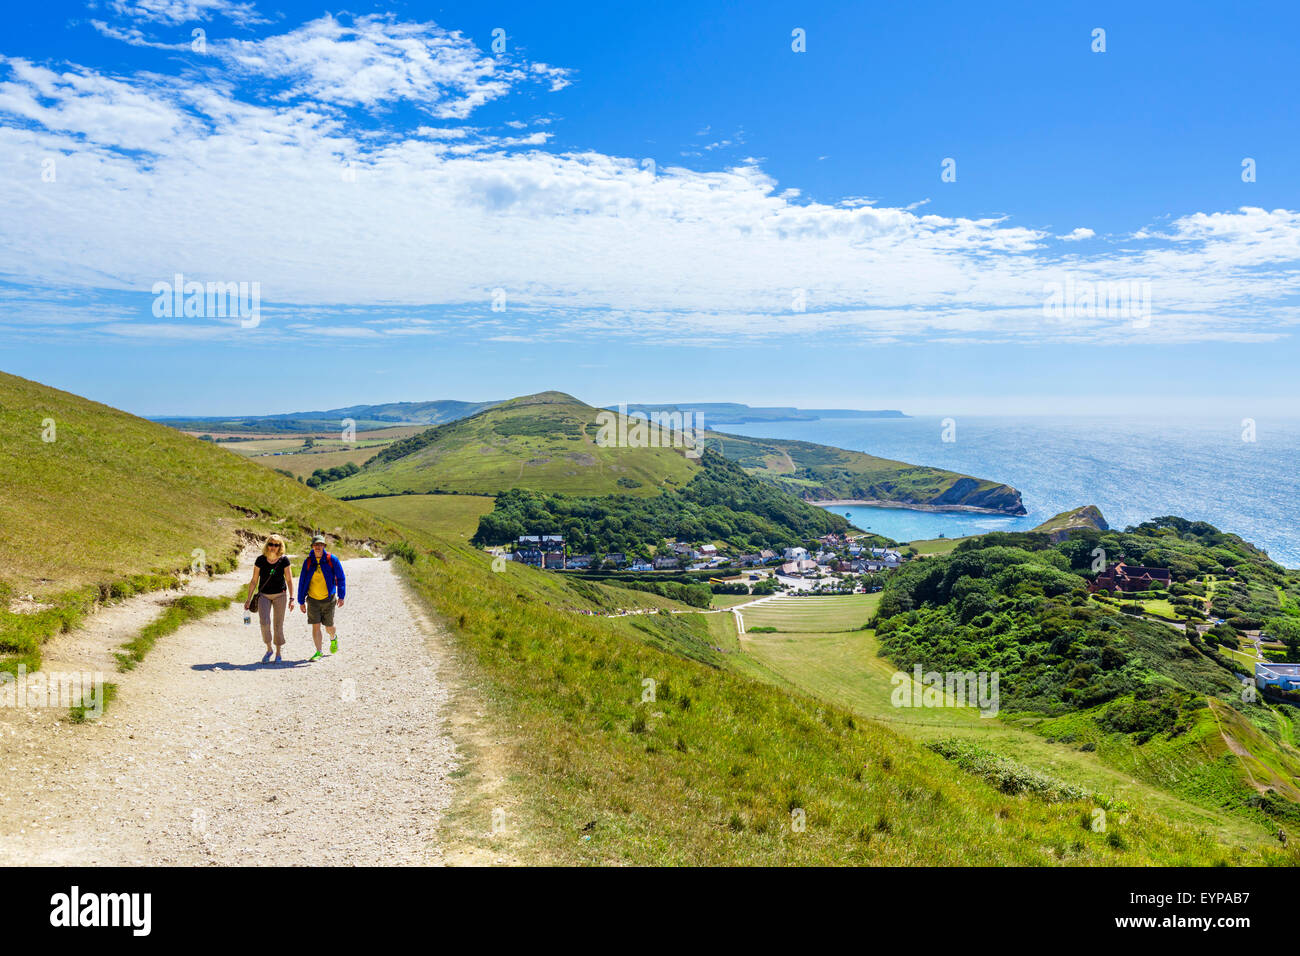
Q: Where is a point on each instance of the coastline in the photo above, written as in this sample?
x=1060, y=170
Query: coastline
x=870, y=503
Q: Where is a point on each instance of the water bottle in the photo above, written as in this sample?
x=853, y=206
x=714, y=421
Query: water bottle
x=248, y=614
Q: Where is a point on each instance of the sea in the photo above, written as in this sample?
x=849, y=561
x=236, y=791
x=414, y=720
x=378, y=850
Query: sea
x=1241, y=476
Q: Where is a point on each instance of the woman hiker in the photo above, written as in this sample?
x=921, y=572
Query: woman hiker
x=270, y=589
x=321, y=587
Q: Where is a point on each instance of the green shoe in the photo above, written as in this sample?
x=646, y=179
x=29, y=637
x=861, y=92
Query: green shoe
x=334, y=645
x=315, y=657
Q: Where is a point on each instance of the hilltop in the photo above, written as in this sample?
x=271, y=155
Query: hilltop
x=1086, y=516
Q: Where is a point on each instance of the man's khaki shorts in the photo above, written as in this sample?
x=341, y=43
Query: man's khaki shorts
x=320, y=612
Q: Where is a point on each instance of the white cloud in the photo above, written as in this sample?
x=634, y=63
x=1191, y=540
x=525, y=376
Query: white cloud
x=376, y=60
x=1075, y=235
x=332, y=211
x=174, y=12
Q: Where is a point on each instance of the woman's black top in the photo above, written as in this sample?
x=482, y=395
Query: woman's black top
x=270, y=578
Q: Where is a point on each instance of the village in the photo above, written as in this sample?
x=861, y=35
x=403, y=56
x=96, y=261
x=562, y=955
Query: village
x=828, y=563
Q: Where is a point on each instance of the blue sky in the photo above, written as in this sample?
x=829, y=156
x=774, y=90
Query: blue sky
x=662, y=202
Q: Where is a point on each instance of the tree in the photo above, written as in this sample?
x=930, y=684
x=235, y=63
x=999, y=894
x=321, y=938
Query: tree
x=1286, y=630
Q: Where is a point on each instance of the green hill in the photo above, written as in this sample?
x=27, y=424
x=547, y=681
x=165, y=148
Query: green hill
x=824, y=473
x=113, y=504
x=544, y=442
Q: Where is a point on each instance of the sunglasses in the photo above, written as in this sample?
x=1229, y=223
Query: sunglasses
x=273, y=547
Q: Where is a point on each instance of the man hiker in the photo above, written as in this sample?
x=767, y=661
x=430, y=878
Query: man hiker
x=321, y=588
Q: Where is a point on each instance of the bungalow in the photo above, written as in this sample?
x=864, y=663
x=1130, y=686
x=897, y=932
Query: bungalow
x=534, y=542
x=790, y=568
x=708, y=550
x=616, y=558
x=1281, y=676
x=766, y=554
x=642, y=566
x=1122, y=577
x=663, y=562
x=749, y=560
x=580, y=560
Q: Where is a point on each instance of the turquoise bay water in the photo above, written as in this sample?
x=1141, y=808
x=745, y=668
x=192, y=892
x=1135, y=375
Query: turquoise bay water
x=1133, y=469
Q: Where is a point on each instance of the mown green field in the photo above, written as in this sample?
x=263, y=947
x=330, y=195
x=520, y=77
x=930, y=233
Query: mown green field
x=810, y=614
x=451, y=515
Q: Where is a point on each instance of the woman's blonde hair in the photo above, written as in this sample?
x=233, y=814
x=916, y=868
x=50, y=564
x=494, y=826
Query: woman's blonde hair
x=273, y=539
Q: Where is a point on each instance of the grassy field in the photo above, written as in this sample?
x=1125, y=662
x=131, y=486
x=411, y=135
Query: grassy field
x=328, y=451
x=845, y=669
x=450, y=515
x=545, y=442
x=812, y=614
x=113, y=505
x=933, y=546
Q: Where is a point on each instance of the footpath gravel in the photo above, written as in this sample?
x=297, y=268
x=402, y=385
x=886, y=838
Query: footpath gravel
x=209, y=756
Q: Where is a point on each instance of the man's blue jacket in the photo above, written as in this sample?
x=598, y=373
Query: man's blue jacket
x=331, y=568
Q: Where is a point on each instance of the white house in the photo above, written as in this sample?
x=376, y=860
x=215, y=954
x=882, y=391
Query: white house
x=795, y=554
x=1281, y=676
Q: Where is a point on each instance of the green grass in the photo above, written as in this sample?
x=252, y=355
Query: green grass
x=449, y=515
x=179, y=612
x=80, y=713
x=115, y=505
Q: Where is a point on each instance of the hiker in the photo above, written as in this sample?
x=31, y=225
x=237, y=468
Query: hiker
x=269, y=590
x=321, y=588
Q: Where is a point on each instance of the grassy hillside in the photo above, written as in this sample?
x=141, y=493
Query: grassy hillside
x=717, y=766
x=823, y=473
x=115, y=504
x=544, y=442
x=837, y=660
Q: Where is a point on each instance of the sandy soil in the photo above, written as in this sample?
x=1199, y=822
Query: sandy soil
x=209, y=756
